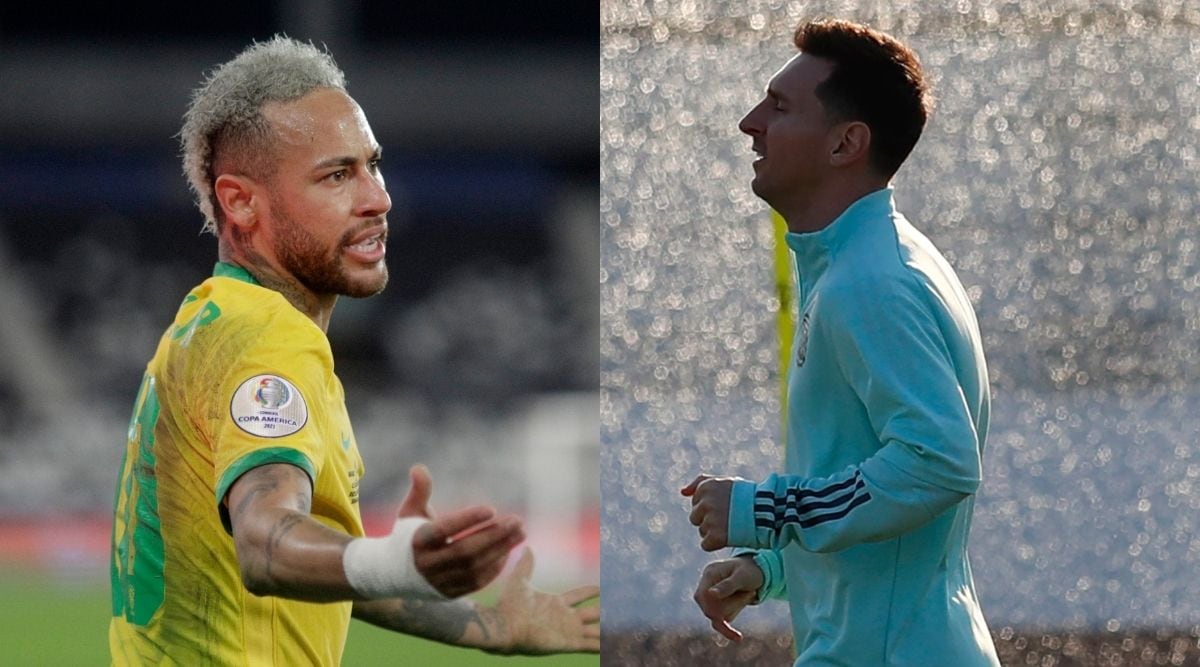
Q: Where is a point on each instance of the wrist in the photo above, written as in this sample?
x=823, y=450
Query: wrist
x=496, y=632
x=384, y=567
x=741, y=526
x=770, y=568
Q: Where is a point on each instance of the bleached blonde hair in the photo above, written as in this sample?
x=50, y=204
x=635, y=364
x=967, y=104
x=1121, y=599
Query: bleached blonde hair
x=225, y=120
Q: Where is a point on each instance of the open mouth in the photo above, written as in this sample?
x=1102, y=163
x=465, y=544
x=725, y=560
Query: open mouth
x=368, y=247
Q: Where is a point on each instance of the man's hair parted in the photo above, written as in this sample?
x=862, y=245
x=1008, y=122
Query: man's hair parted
x=225, y=120
x=876, y=80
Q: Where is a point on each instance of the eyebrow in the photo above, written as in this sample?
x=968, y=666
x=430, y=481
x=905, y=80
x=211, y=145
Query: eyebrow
x=346, y=160
x=775, y=94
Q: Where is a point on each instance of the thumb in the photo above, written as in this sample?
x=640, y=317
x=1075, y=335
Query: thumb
x=523, y=570
x=724, y=588
x=416, y=503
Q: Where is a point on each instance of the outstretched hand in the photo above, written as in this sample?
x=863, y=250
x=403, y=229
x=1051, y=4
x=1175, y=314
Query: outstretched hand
x=458, y=552
x=541, y=623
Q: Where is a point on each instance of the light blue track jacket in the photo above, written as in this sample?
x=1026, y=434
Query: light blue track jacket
x=888, y=402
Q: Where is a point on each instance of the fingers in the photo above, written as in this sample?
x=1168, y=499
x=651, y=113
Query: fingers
x=589, y=615
x=416, y=502
x=710, y=510
x=713, y=534
x=714, y=573
x=581, y=594
x=714, y=539
x=590, y=644
x=501, y=533
x=457, y=561
x=589, y=634
x=722, y=626
x=723, y=591
x=690, y=489
x=720, y=610
x=438, y=531
x=724, y=588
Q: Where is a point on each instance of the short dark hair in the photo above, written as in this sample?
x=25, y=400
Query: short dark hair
x=876, y=80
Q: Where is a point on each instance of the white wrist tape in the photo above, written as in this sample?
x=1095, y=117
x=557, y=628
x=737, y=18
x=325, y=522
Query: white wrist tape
x=384, y=567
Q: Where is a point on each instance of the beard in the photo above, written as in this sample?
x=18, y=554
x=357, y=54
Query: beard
x=322, y=270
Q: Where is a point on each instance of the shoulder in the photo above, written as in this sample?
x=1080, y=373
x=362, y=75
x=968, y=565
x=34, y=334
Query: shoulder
x=874, y=294
x=224, y=324
x=918, y=254
x=894, y=265
x=872, y=275
x=252, y=310
x=866, y=301
x=246, y=303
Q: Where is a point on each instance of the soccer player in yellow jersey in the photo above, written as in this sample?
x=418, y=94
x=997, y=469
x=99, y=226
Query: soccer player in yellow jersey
x=237, y=538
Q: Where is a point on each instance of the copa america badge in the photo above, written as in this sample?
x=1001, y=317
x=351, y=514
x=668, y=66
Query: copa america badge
x=268, y=406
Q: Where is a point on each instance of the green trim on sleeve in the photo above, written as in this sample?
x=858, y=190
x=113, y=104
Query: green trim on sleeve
x=254, y=459
x=227, y=270
x=774, y=581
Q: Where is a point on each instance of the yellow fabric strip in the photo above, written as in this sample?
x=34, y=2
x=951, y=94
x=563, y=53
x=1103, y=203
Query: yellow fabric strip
x=785, y=326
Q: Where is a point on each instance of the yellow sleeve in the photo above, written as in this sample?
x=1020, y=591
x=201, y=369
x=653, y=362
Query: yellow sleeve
x=270, y=404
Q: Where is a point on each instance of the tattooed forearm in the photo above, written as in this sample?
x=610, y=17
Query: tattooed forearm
x=447, y=622
x=444, y=622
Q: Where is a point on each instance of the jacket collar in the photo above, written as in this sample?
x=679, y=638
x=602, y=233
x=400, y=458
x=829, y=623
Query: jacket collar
x=814, y=250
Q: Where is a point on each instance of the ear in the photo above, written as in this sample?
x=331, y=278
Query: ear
x=854, y=144
x=238, y=199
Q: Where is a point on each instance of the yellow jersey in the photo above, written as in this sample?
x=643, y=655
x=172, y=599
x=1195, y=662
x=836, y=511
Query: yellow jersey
x=240, y=380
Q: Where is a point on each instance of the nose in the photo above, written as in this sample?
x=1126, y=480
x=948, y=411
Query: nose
x=374, y=200
x=749, y=123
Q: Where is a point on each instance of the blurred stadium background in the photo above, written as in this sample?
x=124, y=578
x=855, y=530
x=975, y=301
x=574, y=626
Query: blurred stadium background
x=479, y=359
x=1059, y=176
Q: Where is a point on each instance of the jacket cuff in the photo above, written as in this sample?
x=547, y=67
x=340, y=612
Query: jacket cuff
x=741, y=515
x=771, y=565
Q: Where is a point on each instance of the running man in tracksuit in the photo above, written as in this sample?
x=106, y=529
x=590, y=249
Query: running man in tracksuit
x=888, y=403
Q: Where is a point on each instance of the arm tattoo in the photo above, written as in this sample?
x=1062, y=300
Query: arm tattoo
x=278, y=532
x=441, y=621
x=267, y=481
x=304, y=502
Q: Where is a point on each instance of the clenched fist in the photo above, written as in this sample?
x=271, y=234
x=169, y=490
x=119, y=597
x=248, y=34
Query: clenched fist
x=710, y=509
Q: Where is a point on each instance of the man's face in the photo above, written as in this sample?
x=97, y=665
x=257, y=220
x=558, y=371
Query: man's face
x=326, y=222
x=791, y=134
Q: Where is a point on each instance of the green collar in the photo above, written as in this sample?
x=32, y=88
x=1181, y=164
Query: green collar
x=227, y=270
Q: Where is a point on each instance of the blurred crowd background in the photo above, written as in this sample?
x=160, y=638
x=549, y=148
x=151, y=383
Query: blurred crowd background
x=1059, y=176
x=478, y=360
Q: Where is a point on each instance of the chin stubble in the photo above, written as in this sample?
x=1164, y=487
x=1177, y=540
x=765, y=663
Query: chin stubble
x=321, y=271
